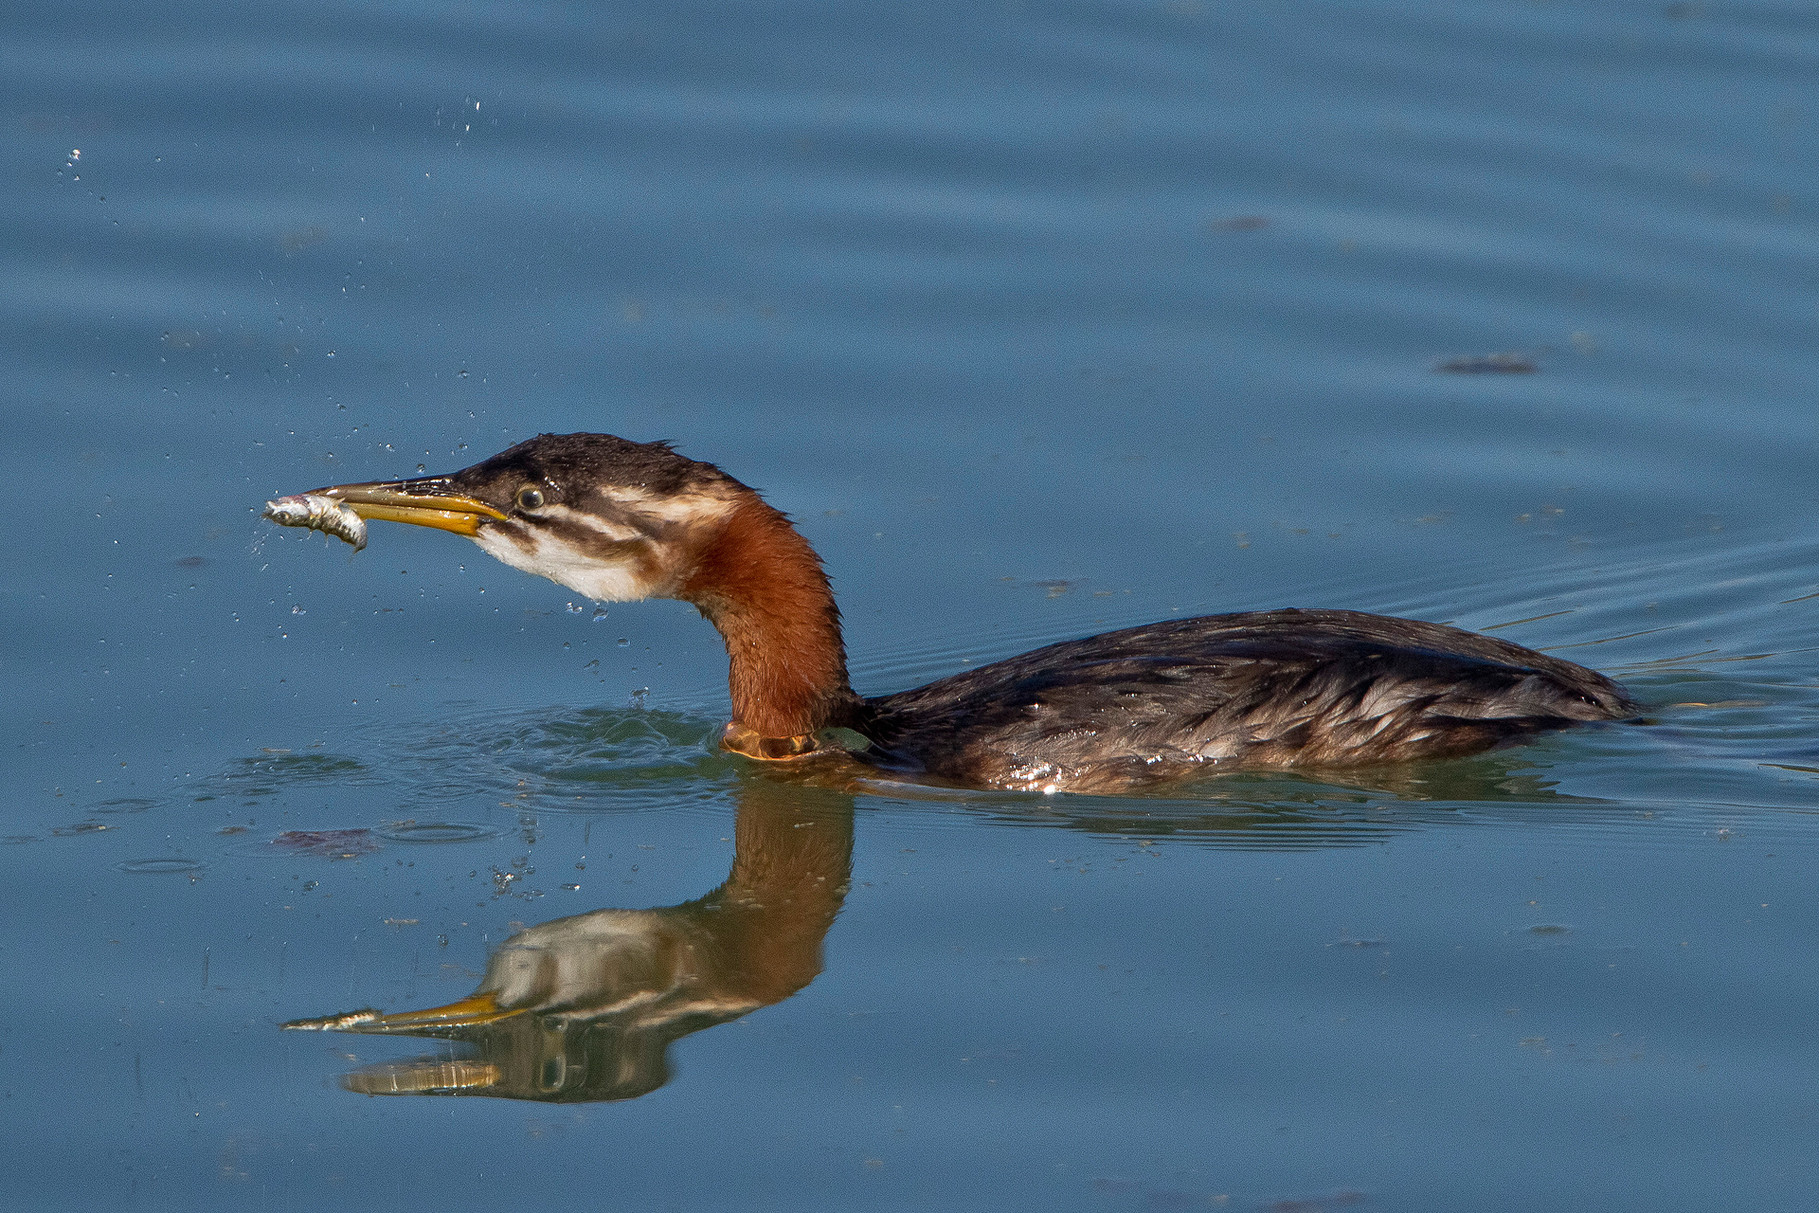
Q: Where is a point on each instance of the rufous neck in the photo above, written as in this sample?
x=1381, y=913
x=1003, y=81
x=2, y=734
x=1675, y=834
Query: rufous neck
x=762, y=586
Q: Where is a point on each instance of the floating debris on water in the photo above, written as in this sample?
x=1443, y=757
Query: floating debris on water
x=1507, y=363
x=328, y=844
x=319, y=513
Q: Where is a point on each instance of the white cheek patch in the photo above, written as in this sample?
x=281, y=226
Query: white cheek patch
x=600, y=581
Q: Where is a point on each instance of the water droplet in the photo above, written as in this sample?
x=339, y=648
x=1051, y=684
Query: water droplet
x=575, y=608
x=599, y=614
x=624, y=642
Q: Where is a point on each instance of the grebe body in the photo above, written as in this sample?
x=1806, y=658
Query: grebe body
x=619, y=520
x=1257, y=689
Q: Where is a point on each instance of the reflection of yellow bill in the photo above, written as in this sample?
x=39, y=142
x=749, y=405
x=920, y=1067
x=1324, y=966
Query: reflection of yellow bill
x=475, y=1009
x=422, y=1077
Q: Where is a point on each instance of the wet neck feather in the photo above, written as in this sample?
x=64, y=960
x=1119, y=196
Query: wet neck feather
x=762, y=586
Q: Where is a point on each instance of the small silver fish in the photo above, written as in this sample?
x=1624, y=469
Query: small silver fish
x=319, y=513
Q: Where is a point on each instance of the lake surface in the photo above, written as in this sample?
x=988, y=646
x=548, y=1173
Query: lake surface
x=1041, y=319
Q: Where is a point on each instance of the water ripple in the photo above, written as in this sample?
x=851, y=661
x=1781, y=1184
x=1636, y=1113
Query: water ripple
x=160, y=865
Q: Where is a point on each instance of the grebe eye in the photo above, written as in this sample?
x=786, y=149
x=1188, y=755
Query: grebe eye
x=530, y=499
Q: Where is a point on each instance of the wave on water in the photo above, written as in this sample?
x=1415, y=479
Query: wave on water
x=556, y=758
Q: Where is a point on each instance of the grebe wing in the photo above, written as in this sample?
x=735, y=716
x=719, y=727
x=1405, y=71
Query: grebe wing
x=1264, y=688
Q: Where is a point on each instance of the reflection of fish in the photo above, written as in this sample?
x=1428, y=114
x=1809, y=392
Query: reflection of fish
x=350, y=1021
x=319, y=513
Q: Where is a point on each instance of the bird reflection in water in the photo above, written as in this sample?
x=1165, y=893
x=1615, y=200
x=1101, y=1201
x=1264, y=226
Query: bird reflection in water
x=585, y=1008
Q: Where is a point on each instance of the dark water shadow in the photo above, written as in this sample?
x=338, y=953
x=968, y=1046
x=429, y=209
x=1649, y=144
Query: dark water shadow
x=1309, y=811
x=275, y=771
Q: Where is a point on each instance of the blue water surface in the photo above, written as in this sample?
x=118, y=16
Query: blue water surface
x=1040, y=319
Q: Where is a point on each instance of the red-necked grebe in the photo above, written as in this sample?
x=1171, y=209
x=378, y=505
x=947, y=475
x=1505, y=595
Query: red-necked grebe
x=619, y=520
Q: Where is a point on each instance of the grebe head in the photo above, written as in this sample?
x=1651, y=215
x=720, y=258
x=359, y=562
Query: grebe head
x=613, y=519
x=619, y=520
